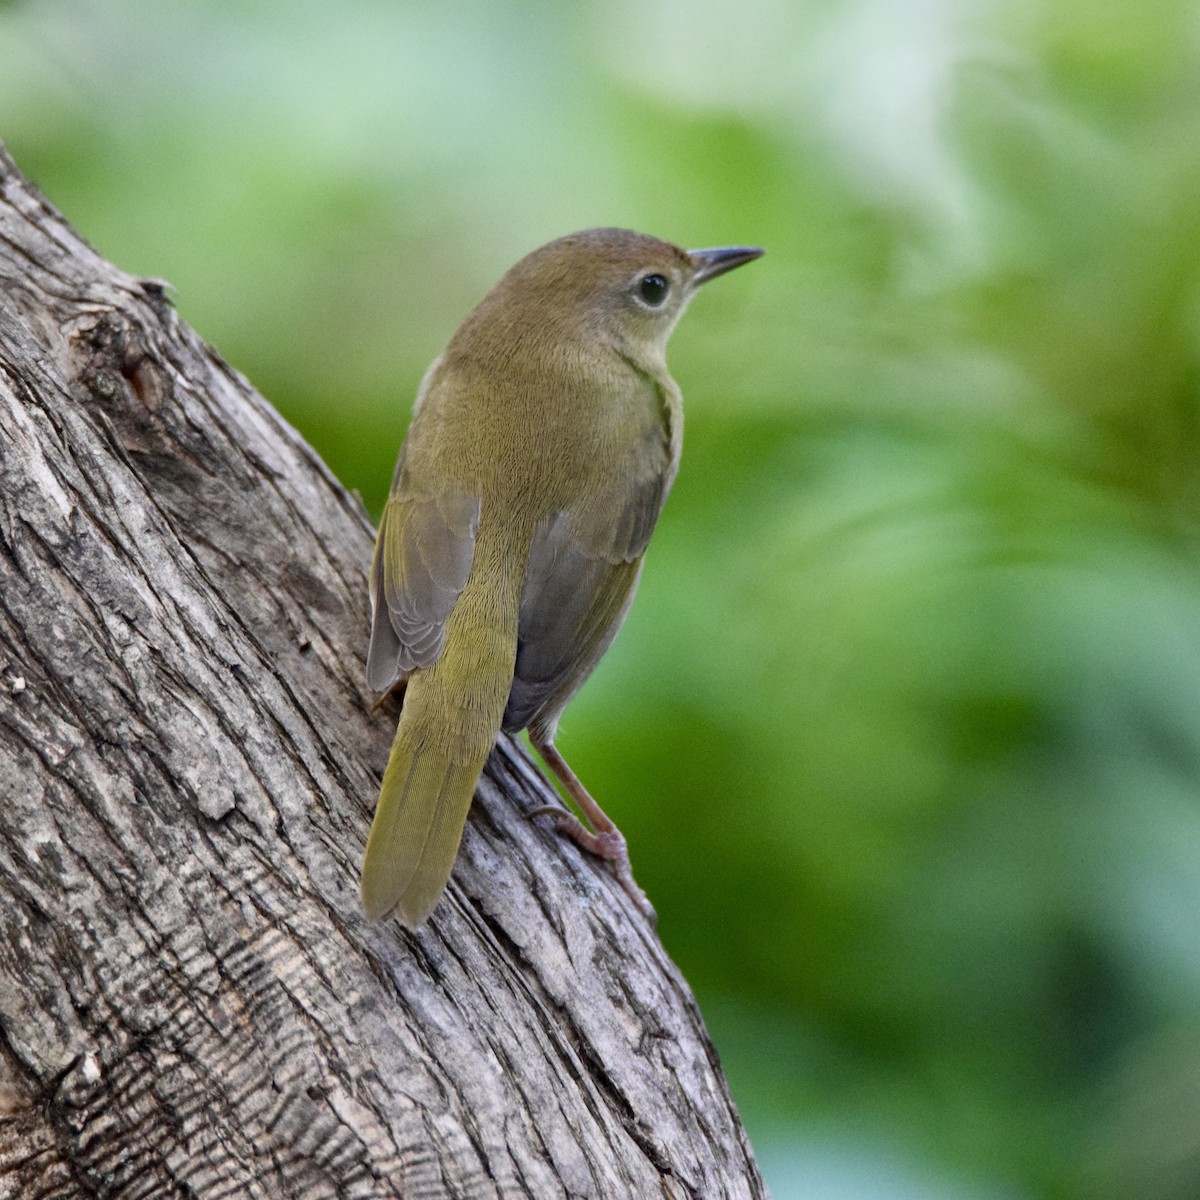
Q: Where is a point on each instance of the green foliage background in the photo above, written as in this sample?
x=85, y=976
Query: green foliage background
x=904, y=729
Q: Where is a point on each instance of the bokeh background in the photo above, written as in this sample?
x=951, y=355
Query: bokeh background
x=905, y=727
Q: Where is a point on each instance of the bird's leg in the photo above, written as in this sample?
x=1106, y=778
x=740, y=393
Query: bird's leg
x=604, y=839
x=395, y=692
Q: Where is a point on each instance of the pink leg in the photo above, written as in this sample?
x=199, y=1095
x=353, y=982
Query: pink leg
x=604, y=839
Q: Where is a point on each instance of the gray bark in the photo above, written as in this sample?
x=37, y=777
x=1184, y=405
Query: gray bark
x=191, y=1002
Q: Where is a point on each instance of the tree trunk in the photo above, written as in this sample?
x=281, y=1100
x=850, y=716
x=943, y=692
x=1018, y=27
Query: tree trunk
x=191, y=1001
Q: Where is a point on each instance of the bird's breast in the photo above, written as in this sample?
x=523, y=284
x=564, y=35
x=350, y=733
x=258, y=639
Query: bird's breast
x=534, y=442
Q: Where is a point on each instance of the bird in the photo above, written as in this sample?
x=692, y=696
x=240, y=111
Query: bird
x=542, y=446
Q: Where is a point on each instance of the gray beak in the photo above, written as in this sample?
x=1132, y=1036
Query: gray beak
x=711, y=263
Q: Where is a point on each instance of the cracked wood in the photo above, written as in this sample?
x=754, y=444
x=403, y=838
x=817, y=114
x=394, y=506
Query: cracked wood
x=191, y=1003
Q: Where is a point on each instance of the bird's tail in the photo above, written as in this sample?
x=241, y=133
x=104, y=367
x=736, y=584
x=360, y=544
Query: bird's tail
x=449, y=723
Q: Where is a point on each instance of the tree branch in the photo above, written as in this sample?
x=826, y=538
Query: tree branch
x=191, y=1002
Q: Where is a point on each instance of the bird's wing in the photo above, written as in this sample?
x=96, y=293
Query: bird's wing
x=583, y=567
x=422, y=560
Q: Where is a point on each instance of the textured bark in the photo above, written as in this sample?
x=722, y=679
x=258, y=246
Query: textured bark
x=191, y=1002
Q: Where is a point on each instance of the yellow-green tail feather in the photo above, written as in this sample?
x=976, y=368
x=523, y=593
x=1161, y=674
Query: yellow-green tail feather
x=423, y=805
x=449, y=723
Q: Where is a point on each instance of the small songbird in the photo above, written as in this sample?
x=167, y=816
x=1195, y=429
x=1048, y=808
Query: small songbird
x=543, y=443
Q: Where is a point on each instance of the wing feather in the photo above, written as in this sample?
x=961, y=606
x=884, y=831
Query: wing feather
x=423, y=557
x=583, y=569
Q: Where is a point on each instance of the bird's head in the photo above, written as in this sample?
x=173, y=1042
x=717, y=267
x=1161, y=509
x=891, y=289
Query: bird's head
x=600, y=288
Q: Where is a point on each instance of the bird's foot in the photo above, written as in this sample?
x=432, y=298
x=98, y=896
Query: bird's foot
x=607, y=844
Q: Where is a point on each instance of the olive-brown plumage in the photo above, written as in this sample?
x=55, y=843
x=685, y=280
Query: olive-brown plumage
x=543, y=443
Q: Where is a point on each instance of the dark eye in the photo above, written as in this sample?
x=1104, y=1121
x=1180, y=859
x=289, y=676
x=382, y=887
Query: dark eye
x=653, y=289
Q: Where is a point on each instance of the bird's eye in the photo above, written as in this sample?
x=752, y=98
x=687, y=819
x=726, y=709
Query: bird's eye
x=653, y=289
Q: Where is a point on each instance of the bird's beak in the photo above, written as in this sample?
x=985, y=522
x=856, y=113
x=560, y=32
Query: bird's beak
x=711, y=263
